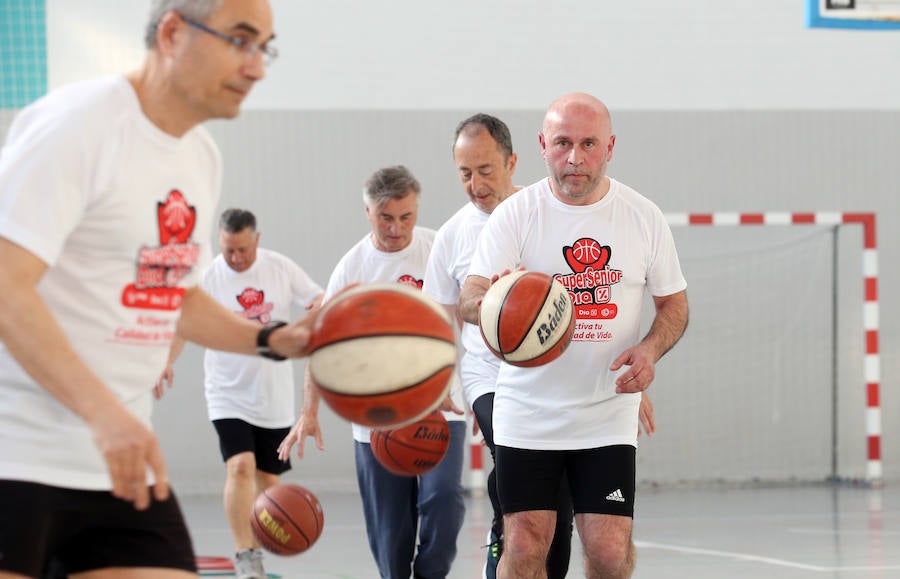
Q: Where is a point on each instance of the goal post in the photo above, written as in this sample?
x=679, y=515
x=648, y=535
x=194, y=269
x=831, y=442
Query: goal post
x=870, y=313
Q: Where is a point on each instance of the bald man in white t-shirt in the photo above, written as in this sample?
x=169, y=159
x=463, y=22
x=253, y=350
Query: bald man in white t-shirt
x=578, y=415
x=485, y=162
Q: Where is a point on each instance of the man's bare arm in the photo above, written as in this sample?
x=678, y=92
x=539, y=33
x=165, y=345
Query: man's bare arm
x=167, y=377
x=669, y=323
x=206, y=322
x=35, y=339
x=308, y=423
x=470, y=297
x=667, y=327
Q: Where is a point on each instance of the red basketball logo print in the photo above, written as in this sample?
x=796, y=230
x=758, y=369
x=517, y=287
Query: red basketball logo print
x=586, y=250
x=411, y=281
x=255, y=308
x=585, y=253
x=251, y=297
x=175, y=218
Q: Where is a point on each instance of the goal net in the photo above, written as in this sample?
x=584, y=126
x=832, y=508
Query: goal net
x=767, y=384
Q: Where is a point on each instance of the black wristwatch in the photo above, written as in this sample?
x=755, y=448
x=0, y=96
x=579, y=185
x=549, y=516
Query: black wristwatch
x=262, y=341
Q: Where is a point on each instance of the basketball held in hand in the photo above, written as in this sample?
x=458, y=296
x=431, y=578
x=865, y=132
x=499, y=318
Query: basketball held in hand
x=382, y=354
x=413, y=449
x=527, y=318
x=287, y=519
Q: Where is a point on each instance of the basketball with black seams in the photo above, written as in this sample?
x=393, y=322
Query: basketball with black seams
x=287, y=519
x=527, y=318
x=413, y=449
x=382, y=354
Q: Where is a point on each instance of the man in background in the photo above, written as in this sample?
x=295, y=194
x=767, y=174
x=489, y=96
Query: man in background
x=250, y=399
x=400, y=511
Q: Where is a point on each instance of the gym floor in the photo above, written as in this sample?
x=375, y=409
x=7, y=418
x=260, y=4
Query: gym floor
x=834, y=531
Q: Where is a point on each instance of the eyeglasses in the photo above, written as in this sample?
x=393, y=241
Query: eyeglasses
x=243, y=44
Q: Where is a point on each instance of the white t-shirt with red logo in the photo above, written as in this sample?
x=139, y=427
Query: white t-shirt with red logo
x=448, y=267
x=364, y=263
x=252, y=388
x=121, y=213
x=608, y=255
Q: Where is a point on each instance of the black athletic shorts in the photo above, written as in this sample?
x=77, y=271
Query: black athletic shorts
x=87, y=530
x=601, y=479
x=237, y=436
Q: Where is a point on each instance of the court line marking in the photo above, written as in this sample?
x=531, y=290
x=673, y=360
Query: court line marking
x=760, y=559
x=843, y=532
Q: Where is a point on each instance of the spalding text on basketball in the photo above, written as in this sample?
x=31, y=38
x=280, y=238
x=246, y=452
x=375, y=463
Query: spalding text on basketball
x=546, y=329
x=271, y=525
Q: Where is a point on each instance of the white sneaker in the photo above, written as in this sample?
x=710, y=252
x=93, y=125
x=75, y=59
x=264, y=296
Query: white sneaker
x=248, y=564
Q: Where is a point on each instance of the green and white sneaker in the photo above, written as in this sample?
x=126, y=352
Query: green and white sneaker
x=494, y=550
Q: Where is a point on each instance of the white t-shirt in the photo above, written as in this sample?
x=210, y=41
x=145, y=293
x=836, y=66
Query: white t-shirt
x=448, y=267
x=607, y=254
x=366, y=264
x=252, y=388
x=121, y=212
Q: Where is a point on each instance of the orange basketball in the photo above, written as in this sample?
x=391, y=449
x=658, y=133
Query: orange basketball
x=287, y=519
x=382, y=354
x=413, y=449
x=527, y=318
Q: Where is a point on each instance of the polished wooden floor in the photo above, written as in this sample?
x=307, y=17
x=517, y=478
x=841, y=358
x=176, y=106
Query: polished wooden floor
x=820, y=531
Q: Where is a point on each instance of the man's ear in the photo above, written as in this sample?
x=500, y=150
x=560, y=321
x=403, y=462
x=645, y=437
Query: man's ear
x=168, y=31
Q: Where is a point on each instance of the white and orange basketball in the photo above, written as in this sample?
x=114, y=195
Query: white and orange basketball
x=527, y=318
x=413, y=449
x=382, y=354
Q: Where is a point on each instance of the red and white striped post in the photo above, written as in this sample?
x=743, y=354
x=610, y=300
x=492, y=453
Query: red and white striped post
x=872, y=365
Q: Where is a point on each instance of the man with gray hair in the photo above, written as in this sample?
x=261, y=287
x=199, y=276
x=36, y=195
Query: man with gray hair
x=108, y=194
x=396, y=250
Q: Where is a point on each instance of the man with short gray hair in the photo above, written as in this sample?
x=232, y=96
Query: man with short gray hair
x=396, y=250
x=108, y=195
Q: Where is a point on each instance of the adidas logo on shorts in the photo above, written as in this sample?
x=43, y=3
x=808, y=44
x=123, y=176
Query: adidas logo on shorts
x=616, y=495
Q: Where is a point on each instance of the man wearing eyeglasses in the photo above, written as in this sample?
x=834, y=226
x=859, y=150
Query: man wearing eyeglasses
x=108, y=193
